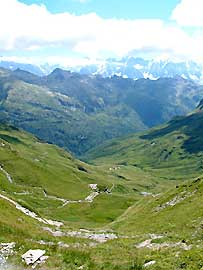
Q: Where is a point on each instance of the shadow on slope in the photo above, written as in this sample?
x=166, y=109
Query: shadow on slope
x=191, y=126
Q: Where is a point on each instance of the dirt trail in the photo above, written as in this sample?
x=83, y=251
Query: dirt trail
x=6, y=174
x=30, y=213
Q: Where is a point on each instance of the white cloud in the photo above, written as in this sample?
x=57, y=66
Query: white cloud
x=28, y=27
x=189, y=13
x=32, y=27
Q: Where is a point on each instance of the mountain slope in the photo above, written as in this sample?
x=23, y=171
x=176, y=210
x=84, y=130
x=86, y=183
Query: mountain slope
x=45, y=178
x=154, y=101
x=60, y=119
x=168, y=227
x=43, y=189
x=78, y=112
x=138, y=227
x=170, y=151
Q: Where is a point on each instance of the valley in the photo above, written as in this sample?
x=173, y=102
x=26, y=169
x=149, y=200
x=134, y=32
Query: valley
x=101, y=135
x=126, y=196
x=131, y=205
x=78, y=112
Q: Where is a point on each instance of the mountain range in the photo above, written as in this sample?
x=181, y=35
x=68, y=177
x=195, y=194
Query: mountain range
x=78, y=111
x=137, y=68
x=127, y=67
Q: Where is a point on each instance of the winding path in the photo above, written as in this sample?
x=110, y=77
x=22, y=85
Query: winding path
x=30, y=213
x=6, y=174
x=89, y=199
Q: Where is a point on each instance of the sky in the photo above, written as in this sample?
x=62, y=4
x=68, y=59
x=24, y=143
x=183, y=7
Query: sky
x=74, y=31
x=125, y=9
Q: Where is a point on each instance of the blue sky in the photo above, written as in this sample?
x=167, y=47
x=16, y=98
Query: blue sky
x=127, y=9
x=71, y=31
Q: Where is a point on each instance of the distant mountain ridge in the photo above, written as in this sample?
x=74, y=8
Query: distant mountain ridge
x=137, y=68
x=23, y=66
x=127, y=67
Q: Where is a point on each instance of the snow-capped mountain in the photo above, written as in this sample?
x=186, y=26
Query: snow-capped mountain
x=136, y=68
x=127, y=67
x=37, y=70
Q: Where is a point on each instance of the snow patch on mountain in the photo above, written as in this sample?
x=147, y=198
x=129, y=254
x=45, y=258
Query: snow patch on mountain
x=127, y=67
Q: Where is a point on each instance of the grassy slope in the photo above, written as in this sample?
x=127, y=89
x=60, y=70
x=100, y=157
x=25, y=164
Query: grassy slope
x=173, y=151
x=182, y=222
x=179, y=223
x=32, y=163
x=36, y=166
x=170, y=152
x=26, y=233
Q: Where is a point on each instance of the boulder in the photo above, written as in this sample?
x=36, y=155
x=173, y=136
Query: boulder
x=32, y=256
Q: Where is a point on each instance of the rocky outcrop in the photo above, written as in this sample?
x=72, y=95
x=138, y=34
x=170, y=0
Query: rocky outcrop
x=6, y=250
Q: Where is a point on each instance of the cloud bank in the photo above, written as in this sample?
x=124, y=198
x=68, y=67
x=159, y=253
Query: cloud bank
x=189, y=13
x=33, y=27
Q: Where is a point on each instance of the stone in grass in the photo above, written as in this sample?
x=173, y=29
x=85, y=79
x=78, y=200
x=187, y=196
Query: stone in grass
x=32, y=256
x=149, y=263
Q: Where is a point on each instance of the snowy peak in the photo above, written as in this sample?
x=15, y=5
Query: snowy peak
x=137, y=68
x=126, y=67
